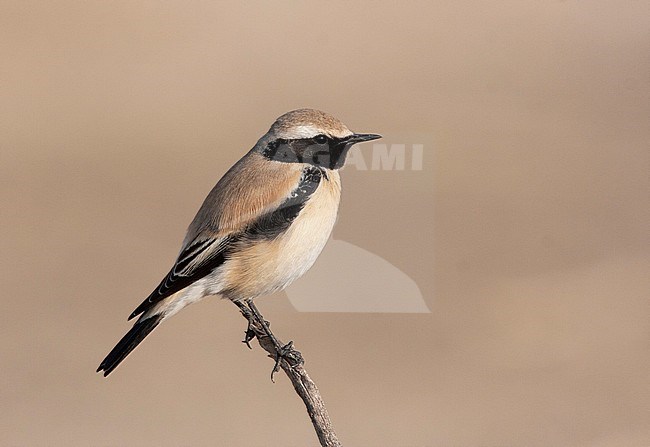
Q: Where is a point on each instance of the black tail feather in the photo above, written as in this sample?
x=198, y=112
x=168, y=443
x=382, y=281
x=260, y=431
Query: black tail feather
x=128, y=343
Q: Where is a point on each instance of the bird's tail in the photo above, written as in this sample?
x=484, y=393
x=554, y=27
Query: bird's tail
x=128, y=343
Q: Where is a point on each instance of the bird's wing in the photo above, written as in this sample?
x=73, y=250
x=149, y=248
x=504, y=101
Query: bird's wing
x=194, y=262
x=254, y=199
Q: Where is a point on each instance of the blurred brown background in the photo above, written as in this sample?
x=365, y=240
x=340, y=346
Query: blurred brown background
x=526, y=230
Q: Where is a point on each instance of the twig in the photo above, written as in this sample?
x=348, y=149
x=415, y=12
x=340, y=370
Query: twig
x=292, y=364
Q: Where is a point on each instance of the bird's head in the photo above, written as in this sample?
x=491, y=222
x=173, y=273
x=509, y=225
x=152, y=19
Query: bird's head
x=310, y=136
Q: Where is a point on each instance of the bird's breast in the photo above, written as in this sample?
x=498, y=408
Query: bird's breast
x=270, y=265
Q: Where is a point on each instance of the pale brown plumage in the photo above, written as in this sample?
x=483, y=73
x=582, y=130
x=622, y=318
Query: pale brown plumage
x=322, y=121
x=261, y=227
x=250, y=187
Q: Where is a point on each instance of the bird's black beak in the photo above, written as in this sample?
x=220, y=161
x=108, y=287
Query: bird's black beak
x=361, y=137
x=339, y=151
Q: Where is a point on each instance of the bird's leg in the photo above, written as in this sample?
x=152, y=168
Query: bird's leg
x=250, y=333
x=266, y=326
x=281, y=351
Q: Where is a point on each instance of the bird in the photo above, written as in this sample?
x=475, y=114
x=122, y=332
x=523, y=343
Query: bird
x=259, y=229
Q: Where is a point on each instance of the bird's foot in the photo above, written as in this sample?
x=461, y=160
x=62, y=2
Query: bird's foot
x=288, y=353
x=249, y=335
x=262, y=330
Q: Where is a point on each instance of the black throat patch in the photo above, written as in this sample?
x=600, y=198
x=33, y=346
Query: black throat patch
x=323, y=152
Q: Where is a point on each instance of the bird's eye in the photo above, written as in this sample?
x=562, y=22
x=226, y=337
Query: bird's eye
x=320, y=139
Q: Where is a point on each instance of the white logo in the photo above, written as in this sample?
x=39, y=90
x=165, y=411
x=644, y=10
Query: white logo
x=347, y=278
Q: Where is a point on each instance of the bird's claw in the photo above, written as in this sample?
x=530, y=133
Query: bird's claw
x=249, y=335
x=287, y=353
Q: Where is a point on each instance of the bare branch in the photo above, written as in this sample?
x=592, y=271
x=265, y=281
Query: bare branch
x=292, y=364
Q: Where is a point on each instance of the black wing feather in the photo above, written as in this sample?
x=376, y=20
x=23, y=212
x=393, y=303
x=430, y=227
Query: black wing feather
x=185, y=272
